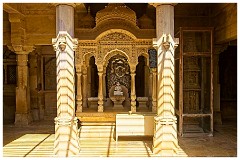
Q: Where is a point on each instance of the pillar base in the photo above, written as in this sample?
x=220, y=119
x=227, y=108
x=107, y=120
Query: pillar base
x=66, y=137
x=217, y=117
x=23, y=119
x=165, y=142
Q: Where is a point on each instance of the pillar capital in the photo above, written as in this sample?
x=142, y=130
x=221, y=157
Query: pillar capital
x=167, y=42
x=159, y=4
x=78, y=69
x=21, y=49
x=68, y=4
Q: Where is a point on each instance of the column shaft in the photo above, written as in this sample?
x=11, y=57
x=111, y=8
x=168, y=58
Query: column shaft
x=133, y=92
x=165, y=140
x=85, y=88
x=79, y=92
x=65, y=19
x=22, y=116
x=154, y=90
x=100, y=92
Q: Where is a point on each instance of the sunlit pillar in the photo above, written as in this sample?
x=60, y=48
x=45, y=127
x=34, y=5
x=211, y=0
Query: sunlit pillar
x=79, y=89
x=66, y=126
x=150, y=91
x=165, y=140
x=133, y=92
x=154, y=90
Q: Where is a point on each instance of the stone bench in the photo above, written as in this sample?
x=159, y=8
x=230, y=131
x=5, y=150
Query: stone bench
x=134, y=125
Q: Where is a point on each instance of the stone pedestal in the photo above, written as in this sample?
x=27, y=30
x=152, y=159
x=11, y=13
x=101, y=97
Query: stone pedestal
x=66, y=137
x=117, y=101
x=165, y=140
x=142, y=103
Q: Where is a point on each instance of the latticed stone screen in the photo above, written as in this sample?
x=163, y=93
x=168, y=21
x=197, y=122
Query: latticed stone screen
x=11, y=74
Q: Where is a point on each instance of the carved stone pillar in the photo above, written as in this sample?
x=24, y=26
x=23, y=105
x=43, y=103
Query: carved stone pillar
x=22, y=115
x=66, y=128
x=216, y=85
x=133, y=92
x=154, y=90
x=33, y=66
x=79, y=89
x=165, y=140
x=100, y=91
x=85, y=89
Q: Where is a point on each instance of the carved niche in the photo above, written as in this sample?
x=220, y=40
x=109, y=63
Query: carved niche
x=118, y=70
x=50, y=73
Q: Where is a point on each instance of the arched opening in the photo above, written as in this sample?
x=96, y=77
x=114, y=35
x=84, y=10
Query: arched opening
x=142, y=83
x=93, y=77
x=118, y=71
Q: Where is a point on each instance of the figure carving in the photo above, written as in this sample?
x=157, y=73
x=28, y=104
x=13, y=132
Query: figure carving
x=118, y=90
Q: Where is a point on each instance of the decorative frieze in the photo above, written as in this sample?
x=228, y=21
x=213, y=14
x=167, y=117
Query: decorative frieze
x=116, y=36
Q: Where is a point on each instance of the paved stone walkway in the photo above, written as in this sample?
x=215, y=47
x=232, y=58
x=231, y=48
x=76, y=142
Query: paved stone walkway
x=37, y=140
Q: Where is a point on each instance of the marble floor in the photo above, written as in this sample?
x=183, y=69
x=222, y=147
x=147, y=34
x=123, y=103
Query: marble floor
x=36, y=140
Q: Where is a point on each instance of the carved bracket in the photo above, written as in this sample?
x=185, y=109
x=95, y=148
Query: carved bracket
x=64, y=41
x=167, y=42
x=21, y=49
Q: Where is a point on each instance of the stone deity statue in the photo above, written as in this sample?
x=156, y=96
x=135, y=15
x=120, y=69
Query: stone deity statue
x=118, y=90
